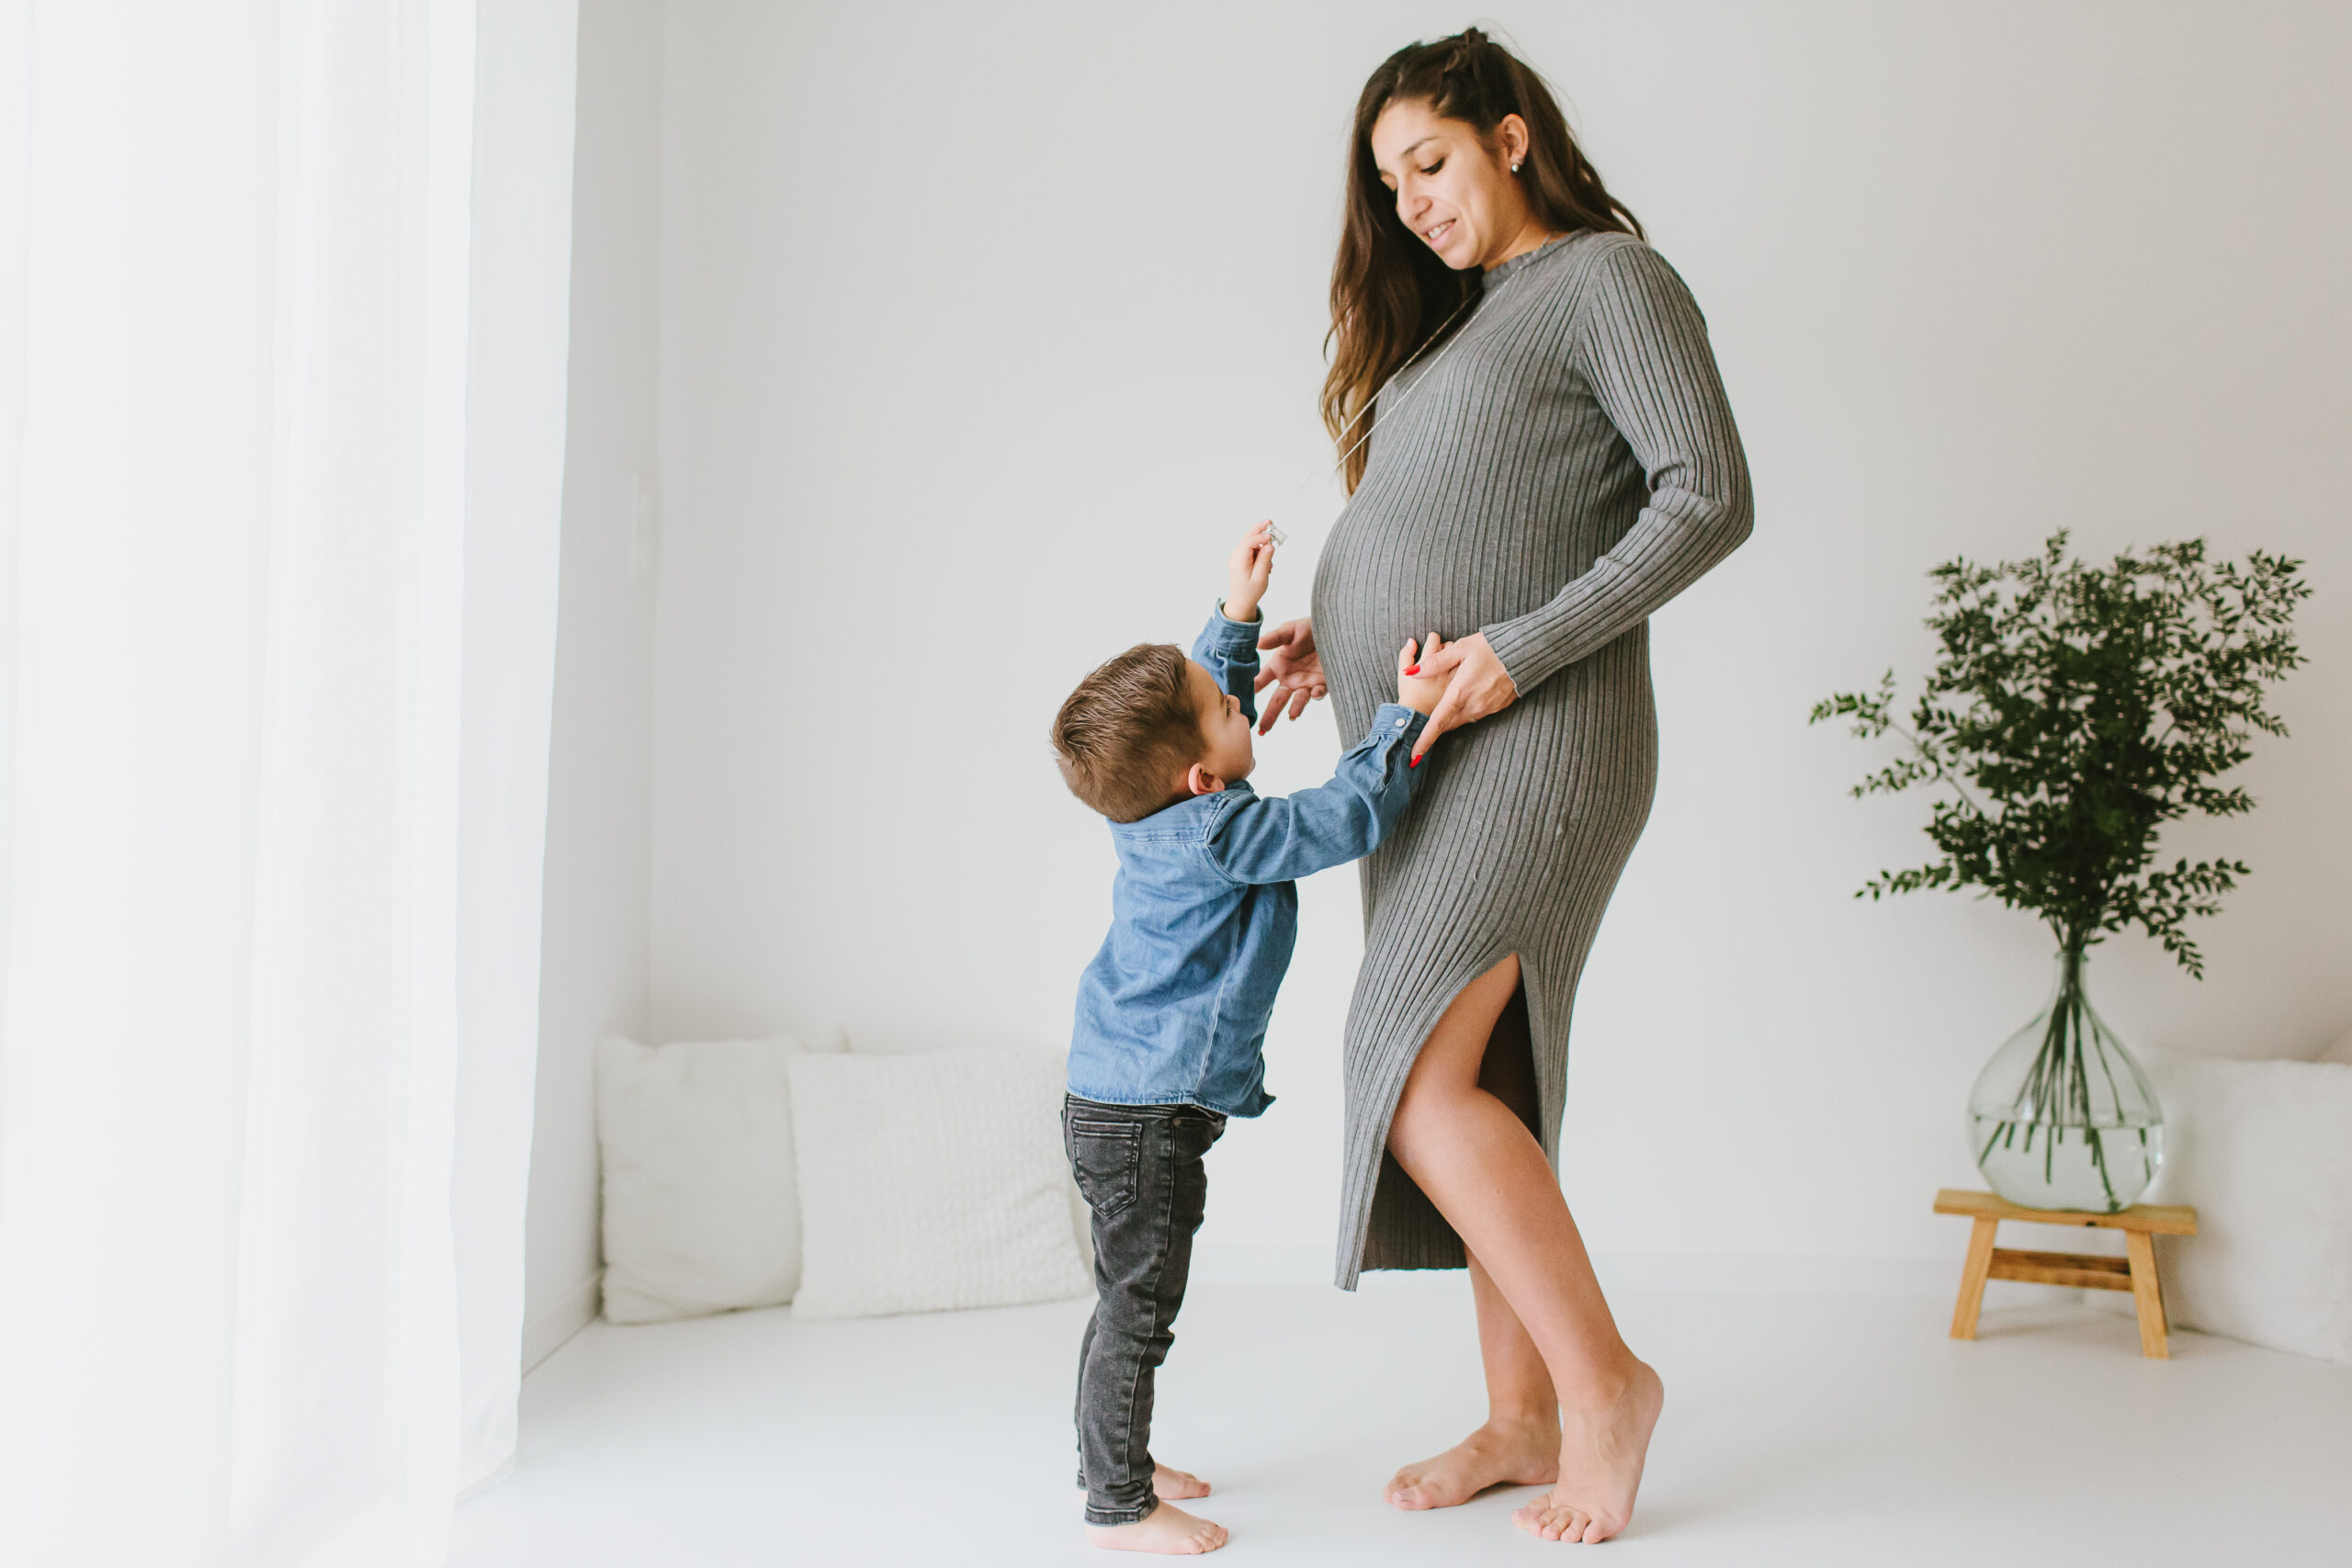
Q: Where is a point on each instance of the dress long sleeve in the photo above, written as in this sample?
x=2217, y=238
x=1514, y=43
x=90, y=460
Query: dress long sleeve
x=1643, y=349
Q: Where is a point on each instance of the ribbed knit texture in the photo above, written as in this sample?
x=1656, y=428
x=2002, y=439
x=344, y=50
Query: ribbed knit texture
x=1568, y=465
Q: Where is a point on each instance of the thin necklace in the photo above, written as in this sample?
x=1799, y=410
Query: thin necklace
x=1280, y=537
x=1477, y=299
x=1474, y=304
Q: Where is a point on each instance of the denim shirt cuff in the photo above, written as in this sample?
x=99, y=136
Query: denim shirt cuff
x=1395, y=721
x=1231, y=633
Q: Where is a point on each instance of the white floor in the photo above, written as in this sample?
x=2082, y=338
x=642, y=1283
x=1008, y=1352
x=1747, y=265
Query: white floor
x=1800, y=1430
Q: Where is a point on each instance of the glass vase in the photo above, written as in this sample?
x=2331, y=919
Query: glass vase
x=2061, y=1117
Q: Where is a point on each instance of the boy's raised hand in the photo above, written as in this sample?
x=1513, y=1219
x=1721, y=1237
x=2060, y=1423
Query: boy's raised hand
x=1247, y=571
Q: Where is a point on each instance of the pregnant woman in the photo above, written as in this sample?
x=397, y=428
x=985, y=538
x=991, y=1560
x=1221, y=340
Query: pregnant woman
x=1550, y=458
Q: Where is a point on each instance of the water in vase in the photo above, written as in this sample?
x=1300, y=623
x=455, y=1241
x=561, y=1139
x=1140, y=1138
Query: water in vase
x=2046, y=1166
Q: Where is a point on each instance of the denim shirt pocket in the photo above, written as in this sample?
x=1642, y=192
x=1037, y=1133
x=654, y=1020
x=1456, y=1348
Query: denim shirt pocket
x=1106, y=1158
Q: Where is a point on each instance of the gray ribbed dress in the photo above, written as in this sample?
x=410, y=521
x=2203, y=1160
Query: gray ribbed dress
x=1568, y=466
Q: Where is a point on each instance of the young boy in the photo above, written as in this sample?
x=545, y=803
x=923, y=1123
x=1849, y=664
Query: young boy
x=1171, y=1013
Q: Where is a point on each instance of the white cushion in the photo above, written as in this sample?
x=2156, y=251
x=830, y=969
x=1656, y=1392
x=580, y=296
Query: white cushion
x=2263, y=1150
x=701, y=1211
x=931, y=1182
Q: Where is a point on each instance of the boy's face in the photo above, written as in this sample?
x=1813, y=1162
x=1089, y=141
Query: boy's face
x=1225, y=752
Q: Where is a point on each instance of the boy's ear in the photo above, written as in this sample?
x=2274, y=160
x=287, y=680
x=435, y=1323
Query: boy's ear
x=1198, y=780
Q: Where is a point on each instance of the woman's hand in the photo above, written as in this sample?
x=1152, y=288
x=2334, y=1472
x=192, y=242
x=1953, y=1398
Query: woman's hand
x=1292, y=661
x=1478, y=687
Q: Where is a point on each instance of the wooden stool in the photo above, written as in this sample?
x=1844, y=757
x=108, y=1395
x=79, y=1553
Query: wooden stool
x=2135, y=1273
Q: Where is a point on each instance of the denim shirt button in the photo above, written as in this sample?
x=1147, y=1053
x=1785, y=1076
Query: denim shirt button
x=1400, y=723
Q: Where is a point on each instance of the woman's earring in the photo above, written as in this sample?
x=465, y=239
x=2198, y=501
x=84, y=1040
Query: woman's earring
x=1514, y=168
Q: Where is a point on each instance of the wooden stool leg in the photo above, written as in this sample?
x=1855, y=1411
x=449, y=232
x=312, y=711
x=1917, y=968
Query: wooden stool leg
x=1972, y=1279
x=2146, y=1296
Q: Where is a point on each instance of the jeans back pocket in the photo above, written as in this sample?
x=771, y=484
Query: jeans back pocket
x=1105, y=1157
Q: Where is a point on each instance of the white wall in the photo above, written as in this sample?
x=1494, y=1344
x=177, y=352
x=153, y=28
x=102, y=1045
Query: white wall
x=596, y=946
x=985, y=329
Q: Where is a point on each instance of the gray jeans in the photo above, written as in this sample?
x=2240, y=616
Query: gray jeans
x=1139, y=1168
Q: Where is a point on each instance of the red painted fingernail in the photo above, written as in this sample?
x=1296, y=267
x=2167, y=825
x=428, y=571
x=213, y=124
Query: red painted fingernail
x=1412, y=670
x=1414, y=763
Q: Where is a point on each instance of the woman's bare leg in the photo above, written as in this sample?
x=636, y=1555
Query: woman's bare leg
x=1520, y=1444
x=1486, y=1172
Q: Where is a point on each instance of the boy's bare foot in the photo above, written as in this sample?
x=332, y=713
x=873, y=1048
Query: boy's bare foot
x=1525, y=1454
x=1167, y=1485
x=1166, y=1530
x=1600, y=1465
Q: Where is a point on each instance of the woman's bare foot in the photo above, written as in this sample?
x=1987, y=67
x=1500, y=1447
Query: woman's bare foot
x=1166, y=1530
x=1600, y=1465
x=1167, y=1485
x=1524, y=1454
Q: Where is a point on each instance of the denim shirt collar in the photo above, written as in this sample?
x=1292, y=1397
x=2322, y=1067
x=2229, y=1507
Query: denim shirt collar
x=1189, y=818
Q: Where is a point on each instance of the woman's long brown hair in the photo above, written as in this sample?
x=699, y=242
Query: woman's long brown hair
x=1389, y=291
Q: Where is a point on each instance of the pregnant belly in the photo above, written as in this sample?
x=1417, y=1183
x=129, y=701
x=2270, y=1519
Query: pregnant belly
x=1385, y=576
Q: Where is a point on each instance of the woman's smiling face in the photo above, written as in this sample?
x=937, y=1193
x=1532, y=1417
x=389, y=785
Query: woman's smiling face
x=1453, y=189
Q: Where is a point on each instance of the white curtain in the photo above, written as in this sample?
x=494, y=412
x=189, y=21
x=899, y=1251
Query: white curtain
x=282, y=304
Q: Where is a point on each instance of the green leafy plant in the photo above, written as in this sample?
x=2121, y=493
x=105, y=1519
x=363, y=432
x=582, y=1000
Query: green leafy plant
x=2073, y=712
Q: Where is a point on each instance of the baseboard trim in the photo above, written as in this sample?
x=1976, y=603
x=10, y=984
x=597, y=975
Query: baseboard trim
x=549, y=1332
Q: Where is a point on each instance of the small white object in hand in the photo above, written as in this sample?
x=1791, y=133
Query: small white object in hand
x=1277, y=536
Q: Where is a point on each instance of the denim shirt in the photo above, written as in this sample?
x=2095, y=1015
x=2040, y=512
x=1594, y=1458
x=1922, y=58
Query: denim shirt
x=1205, y=911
